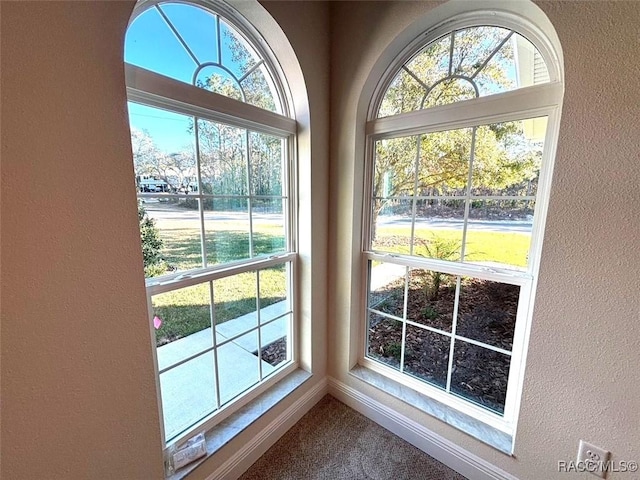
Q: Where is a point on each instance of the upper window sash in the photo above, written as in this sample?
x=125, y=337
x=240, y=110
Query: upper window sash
x=518, y=104
x=147, y=87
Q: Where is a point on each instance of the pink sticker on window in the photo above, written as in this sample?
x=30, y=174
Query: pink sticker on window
x=157, y=322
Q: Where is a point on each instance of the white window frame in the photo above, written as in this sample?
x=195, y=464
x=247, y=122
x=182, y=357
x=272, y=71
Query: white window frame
x=524, y=103
x=155, y=90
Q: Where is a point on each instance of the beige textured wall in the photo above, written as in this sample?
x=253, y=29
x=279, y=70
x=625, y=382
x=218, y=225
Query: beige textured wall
x=581, y=376
x=78, y=389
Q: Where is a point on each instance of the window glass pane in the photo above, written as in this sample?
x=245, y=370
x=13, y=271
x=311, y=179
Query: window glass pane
x=188, y=394
x=391, y=224
x=431, y=298
x=395, y=167
x=151, y=44
x=473, y=47
x=266, y=160
x=226, y=223
x=197, y=27
x=170, y=234
x=238, y=367
x=163, y=149
x=432, y=63
x=438, y=229
x=268, y=226
x=426, y=355
x=384, y=340
x=387, y=287
x=499, y=232
x=223, y=158
x=182, y=321
x=444, y=162
x=237, y=55
x=487, y=311
x=274, y=296
x=260, y=90
x=405, y=94
x=507, y=158
x=275, y=338
x=235, y=305
x=480, y=375
x=500, y=73
x=531, y=68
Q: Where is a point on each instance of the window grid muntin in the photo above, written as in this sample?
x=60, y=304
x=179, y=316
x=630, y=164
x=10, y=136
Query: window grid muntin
x=452, y=75
x=222, y=343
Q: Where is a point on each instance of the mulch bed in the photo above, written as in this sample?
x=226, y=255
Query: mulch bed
x=486, y=313
x=276, y=352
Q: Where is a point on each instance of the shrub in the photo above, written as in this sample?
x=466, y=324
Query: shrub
x=393, y=350
x=430, y=313
x=152, y=260
x=441, y=249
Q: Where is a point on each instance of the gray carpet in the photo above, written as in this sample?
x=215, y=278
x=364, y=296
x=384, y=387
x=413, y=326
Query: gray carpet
x=333, y=441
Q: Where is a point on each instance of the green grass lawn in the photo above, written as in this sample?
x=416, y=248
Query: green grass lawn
x=501, y=247
x=182, y=248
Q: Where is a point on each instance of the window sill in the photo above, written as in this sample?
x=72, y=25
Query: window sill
x=471, y=426
x=229, y=428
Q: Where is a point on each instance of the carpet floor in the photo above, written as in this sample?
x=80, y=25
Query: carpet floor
x=333, y=441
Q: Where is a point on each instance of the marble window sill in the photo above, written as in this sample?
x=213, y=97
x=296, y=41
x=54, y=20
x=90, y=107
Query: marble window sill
x=485, y=433
x=229, y=428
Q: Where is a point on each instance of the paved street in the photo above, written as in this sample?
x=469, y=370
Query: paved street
x=515, y=226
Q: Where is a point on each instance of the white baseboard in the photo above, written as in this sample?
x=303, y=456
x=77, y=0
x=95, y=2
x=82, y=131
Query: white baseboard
x=239, y=462
x=443, y=450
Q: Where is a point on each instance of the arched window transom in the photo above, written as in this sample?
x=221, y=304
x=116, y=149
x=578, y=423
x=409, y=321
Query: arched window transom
x=467, y=63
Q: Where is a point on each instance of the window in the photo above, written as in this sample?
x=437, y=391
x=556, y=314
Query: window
x=460, y=140
x=213, y=139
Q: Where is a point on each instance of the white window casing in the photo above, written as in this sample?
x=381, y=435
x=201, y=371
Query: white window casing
x=543, y=100
x=149, y=88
